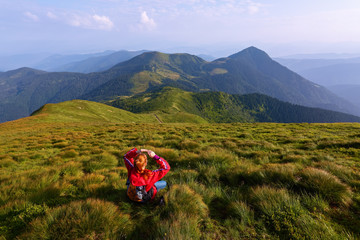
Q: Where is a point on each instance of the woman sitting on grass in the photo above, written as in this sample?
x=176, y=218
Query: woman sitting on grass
x=142, y=183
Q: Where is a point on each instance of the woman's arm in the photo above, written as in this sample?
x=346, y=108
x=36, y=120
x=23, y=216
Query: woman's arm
x=162, y=171
x=129, y=158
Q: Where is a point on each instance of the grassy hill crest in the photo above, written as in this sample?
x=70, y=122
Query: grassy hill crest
x=87, y=111
x=173, y=105
x=221, y=107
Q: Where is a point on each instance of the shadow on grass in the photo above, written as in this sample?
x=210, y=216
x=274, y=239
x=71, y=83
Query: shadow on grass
x=219, y=208
x=52, y=198
x=348, y=218
x=109, y=193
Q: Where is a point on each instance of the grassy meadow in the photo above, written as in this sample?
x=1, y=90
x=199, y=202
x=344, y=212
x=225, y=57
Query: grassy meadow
x=227, y=181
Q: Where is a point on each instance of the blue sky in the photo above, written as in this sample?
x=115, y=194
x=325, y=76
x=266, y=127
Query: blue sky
x=279, y=27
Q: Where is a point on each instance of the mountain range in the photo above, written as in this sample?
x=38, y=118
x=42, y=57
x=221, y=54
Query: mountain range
x=83, y=63
x=341, y=76
x=16, y=61
x=350, y=92
x=94, y=63
x=249, y=71
x=345, y=73
x=327, y=72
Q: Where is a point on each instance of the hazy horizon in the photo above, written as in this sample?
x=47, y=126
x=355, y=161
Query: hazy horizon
x=211, y=27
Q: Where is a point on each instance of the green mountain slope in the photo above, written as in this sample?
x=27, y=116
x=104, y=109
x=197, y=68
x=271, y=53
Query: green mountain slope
x=249, y=71
x=224, y=108
x=253, y=71
x=82, y=111
x=86, y=111
x=172, y=105
x=149, y=70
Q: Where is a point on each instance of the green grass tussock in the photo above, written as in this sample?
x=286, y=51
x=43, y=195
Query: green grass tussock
x=284, y=216
x=345, y=174
x=321, y=182
x=178, y=226
x=182, y=216
x=15, y=218
x=314, y=203
x=340, y=144
x=103, y=160
x=182, y=199
x=280, y=175
x=90, y=219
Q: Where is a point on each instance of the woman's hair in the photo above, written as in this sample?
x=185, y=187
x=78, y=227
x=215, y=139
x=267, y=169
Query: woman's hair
x=140, y=166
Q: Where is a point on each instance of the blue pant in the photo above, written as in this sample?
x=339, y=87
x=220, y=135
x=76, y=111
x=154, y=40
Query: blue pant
x=160, y=185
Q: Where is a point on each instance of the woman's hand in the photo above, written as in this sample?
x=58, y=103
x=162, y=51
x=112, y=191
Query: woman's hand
x=149, y=152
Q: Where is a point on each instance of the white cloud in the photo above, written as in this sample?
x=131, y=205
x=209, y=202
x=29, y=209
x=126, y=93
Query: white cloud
x=146, y=22
x=103, y=22
x=51, y=15
x=78, y=21
x=31, y=16
x=205, y=8
x=87, y=21
x=253, y=8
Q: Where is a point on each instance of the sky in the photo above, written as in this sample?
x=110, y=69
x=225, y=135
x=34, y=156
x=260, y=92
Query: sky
x=279, y=27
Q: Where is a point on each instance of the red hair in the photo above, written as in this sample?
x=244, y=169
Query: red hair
x=140, y=166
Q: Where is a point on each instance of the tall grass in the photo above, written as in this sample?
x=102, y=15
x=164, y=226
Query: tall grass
x=285, y=216
x=90, y=219
x=182, y=199
x=321, y=182
x=227, y=181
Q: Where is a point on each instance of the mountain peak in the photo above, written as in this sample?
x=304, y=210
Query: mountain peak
x=164, y=57
x=26, y=69
x=251, y=53
x=181, y=62
x=148, y=56
x=22, y=72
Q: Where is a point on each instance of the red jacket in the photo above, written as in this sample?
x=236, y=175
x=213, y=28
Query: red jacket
x=137, y=180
